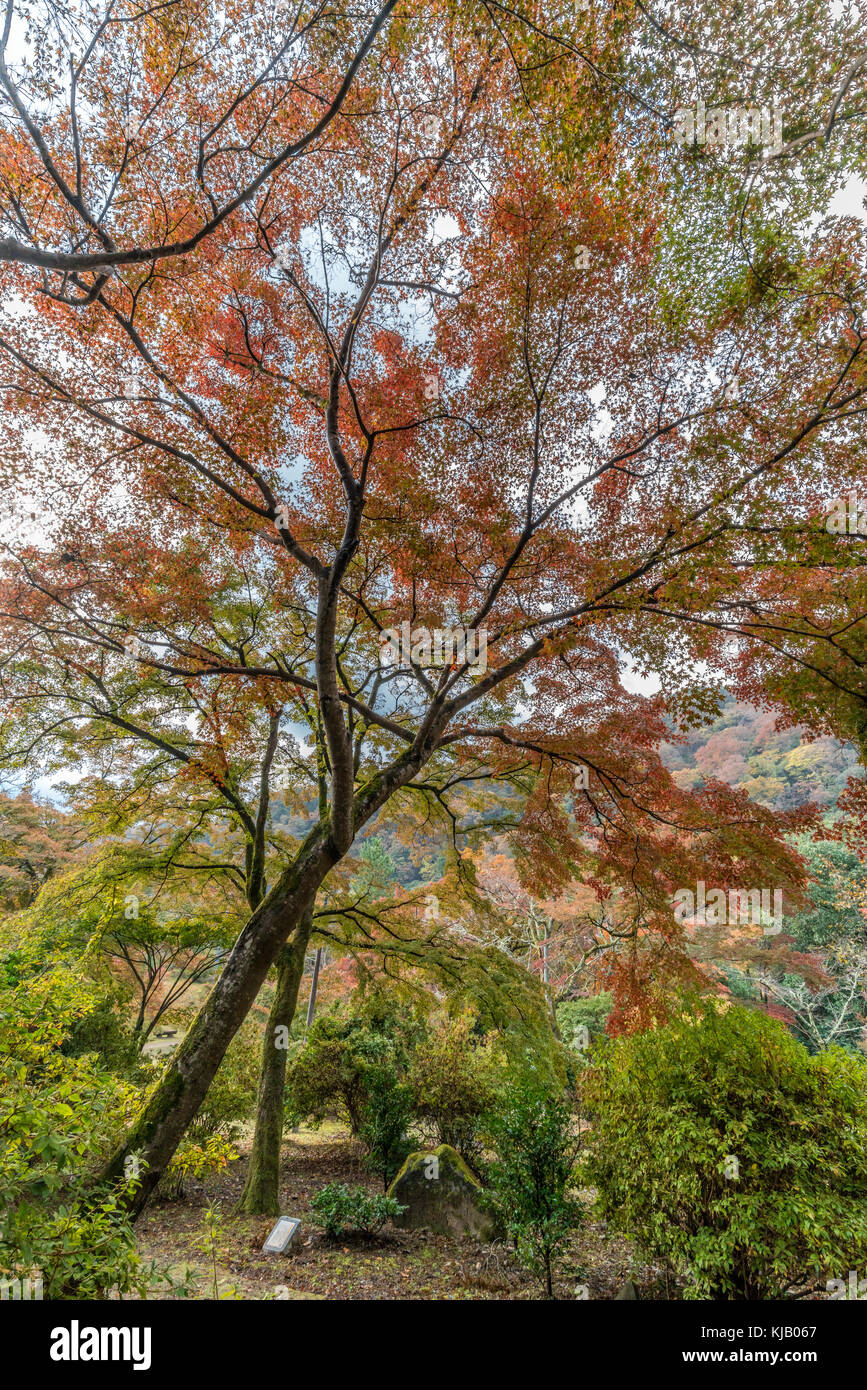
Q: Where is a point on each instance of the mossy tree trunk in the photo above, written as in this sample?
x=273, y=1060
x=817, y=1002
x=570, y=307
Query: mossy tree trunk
x=261, y=1194
x=281, y=919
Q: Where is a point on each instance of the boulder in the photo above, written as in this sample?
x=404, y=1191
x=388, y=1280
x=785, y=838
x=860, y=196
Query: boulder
x=439, y=1192
x=626, y=1291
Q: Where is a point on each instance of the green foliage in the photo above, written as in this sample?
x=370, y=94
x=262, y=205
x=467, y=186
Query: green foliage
x=105, y=1032
x=81, y=1249
x=739, y=984
x=672, y=1108
x=839, y=887
x=532, y=1132
x=379, y=1067
x=214, y=1245
x=387, y=1114
x=379, y=867
x=98, y=916
x=819, y=979
x=574, y=1015
x=454, y=1075
x=334, y=1069
x=59, y=1115
x=343, y=1210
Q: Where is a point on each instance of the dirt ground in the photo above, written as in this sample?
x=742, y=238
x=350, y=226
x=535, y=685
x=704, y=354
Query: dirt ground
x=396, y=1264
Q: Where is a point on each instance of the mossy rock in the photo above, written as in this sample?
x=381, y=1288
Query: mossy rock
x=440, y=1193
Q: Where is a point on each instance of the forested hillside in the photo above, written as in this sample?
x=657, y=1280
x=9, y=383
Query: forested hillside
x=782, y=768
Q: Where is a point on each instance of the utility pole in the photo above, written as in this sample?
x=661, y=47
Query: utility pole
x=312, y=1004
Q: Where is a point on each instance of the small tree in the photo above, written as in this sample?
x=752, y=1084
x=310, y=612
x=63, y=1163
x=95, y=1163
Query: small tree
x=163, y=958
x=832, y=1014
x=720, y=1144
x=535, y=1145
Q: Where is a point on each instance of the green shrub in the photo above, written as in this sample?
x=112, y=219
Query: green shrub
x=327, y=1076
x=454, y=1075
x=576, y=1015
x=342, y=1210
x=81, y=1249
x=105, y=1032
x=722, y=1146
x=532, y=1134
x=333, y=1070
x=59, y=1117
x=388, y=1110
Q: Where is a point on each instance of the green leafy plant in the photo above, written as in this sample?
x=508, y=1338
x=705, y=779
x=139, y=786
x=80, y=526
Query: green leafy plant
x=532, y=1132
x=722, y=1146
x=574, y=1015
x=213, y=1245
x=454, y=1075
x=388, y=1111
x=105, y=1032
x=58, y=1115
x=343, y=1210
x=344, y=1052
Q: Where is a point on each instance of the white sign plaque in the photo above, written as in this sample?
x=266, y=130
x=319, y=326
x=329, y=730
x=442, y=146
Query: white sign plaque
x=282, y=1235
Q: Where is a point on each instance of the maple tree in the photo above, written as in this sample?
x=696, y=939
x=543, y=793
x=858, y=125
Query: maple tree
x=162, y=959
x=37, y=841
x=456, y=369
x=159, y=122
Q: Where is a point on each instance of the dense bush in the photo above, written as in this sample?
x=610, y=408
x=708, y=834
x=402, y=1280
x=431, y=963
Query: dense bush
x=388, y=1111
x=575, y=1015
x=328, y=1075
x=105, y=1032
x=344, y=1054
x=342, y=1210
x=59, y=1115
x=454, y=1075
x=532, y=1132
x=722, y=1146
x=381, y=1068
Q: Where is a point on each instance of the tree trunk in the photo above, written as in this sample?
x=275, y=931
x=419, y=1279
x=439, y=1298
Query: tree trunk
x=261, y=1194
x=192, y=1067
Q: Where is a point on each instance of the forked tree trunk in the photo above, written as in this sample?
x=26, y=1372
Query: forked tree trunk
x=279, y=920
x=261, y=1194
x=191, y=1069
